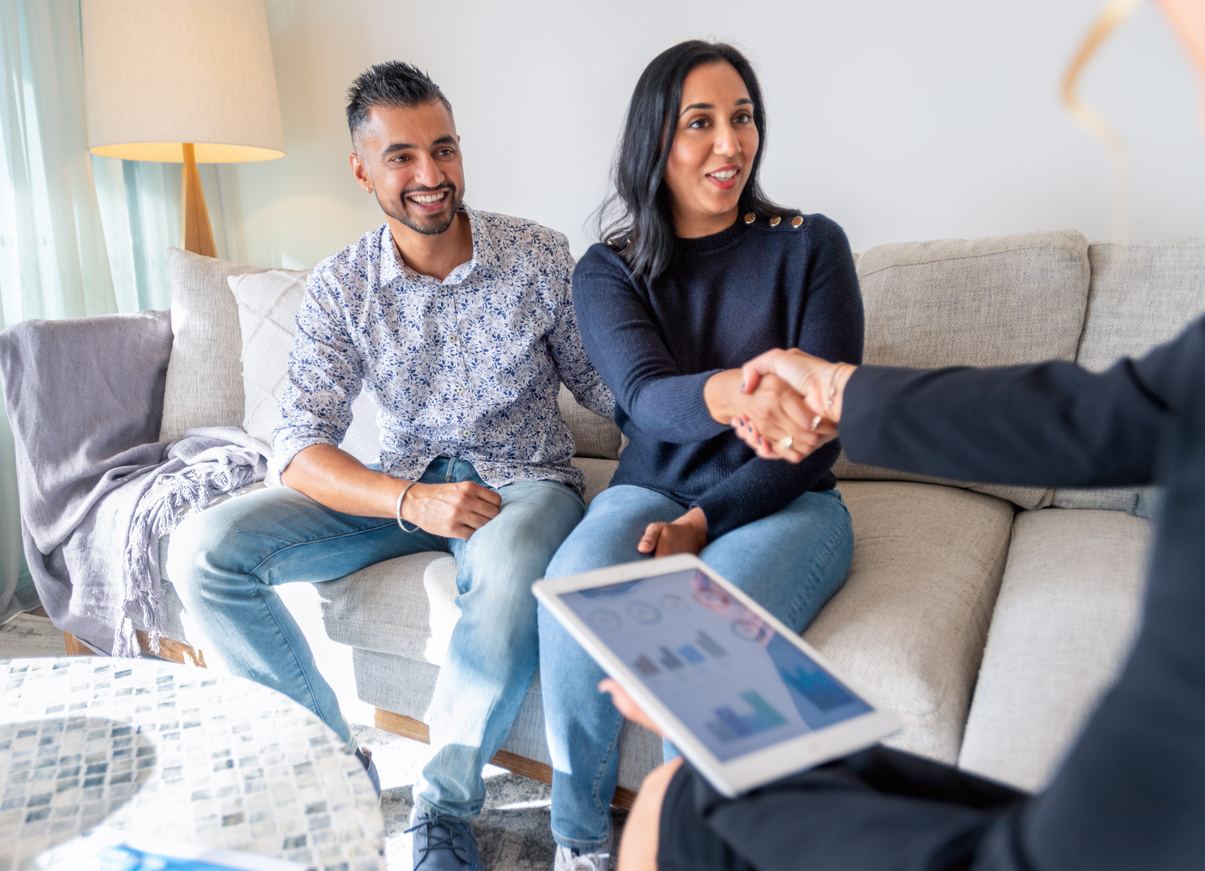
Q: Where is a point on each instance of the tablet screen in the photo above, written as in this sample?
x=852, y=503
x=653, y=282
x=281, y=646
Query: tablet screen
x=729, y=677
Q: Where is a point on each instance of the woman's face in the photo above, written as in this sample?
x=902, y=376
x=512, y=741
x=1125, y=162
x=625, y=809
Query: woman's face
x=715, y=142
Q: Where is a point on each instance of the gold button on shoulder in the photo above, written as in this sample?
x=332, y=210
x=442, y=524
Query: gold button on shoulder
x=775, y=221
x=797, y=222
x=750, y=218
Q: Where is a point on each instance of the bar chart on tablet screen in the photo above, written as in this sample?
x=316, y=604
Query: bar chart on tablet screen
x=729, y=726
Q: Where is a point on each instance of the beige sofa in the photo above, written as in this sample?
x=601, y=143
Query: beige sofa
x=990, y=618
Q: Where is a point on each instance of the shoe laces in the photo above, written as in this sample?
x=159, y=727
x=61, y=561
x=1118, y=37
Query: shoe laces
x=455, y=828
x=584, y=861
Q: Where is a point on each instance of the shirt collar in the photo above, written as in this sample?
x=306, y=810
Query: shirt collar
x=484, y=255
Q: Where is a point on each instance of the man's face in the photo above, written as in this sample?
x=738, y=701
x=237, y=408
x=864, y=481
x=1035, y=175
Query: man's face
x=410, y=159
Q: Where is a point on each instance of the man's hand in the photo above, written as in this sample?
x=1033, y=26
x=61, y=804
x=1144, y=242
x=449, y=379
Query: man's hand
x=819, y=382
x=451, y=510
x=336, y=479
x=687, y=534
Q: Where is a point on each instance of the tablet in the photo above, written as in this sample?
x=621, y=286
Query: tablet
x=745, y=699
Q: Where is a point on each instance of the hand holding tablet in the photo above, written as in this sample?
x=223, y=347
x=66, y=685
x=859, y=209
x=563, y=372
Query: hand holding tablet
x=627, y=707
x=744, y=698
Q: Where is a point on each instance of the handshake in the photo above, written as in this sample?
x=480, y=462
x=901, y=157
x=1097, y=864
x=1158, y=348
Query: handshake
x=783, y=404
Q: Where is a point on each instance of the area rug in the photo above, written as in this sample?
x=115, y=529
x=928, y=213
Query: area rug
x=513, y=829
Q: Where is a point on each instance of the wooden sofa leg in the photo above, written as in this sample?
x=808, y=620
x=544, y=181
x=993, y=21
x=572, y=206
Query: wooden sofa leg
x=173, y=651
x=408, y=727
x=75, y=647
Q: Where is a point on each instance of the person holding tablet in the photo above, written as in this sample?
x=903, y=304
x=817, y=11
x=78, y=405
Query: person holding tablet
x=699, y=273
x=1131, y=792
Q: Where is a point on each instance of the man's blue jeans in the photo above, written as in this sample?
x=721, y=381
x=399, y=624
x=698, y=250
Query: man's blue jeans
x=224, y=563
x=791, y=562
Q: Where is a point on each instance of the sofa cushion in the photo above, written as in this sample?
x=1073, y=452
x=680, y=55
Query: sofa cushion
x=1067, y=613
x=404, y=606
x=593, y=436
x=598, y=474
x=984, y=302
x=909, y=624
x=205, y=374
x=1143, y=294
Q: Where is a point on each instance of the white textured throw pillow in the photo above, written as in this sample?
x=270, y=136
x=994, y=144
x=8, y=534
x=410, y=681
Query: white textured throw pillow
x=267, y=315
x=204, y=375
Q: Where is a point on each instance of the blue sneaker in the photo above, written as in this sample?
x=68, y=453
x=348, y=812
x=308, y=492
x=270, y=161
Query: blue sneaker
x=442, y=843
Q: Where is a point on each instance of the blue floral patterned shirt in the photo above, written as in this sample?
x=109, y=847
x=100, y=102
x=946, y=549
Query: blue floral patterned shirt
x=466, y=367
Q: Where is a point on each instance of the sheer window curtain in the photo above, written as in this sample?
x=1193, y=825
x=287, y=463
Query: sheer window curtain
x=79, y=235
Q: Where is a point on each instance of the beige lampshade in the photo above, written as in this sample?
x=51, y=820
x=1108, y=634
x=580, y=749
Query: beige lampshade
x=160, y=73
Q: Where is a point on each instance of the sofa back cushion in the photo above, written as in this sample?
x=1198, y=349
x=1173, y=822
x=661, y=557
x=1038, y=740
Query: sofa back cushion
x=205, y=373
x=593, y=436
x=998, y=301
x=1142, y=295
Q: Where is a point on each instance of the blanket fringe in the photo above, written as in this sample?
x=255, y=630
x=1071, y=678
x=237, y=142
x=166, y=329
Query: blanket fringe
x=158, y=512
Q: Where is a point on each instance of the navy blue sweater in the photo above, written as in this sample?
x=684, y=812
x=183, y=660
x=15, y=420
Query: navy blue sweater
x=723, y=300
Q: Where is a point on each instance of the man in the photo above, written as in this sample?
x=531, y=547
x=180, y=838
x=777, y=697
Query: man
x=460, y=325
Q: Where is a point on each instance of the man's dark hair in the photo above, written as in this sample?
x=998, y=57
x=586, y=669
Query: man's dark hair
x=393, y=84
x=636, y=219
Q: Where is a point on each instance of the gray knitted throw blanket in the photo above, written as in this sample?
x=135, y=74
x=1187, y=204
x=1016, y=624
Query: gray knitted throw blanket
x=85, y=398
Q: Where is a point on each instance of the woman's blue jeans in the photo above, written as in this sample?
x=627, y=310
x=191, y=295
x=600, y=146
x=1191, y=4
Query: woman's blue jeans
x=224, y=563
x=791, y=562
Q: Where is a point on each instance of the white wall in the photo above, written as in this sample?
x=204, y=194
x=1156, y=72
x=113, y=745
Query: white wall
x=901, y=121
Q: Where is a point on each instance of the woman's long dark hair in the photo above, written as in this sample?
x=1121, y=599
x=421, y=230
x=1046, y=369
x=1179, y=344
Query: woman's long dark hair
x=636, y=220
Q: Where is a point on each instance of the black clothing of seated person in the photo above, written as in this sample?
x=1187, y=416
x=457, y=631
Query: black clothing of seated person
x=1131, y=793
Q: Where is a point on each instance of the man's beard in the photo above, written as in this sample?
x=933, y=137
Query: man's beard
x=427, y=225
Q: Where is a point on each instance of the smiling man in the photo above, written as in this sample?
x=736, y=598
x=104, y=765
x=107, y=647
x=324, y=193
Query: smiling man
x=460, y=325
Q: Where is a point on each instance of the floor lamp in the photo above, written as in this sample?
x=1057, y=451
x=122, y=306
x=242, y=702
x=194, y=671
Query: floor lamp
x=186, y=81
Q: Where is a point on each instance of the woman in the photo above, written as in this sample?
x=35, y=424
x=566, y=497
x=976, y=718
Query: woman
x=700, y=273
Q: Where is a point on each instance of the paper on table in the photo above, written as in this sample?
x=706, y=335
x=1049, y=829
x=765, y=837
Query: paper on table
x=106, y=849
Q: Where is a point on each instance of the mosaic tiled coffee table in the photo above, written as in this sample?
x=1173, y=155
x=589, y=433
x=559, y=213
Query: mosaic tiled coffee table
x=175, y=752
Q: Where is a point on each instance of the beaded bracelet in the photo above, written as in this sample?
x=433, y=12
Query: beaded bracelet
x=397, y=509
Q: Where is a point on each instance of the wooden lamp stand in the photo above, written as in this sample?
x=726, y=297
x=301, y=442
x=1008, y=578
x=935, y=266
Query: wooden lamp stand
x=198, y=234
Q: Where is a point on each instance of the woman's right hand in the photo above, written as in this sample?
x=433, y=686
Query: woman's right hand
x=776, y=410
x=820, y=386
